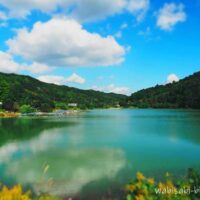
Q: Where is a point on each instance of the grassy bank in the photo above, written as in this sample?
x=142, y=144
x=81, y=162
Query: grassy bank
x=9, y=114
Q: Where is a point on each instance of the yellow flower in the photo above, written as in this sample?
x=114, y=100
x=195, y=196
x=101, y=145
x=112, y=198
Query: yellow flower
x=140, y=176
x=150, y=181
x=144, y=192
x=161, y=186
x=139, y=197
x=130, y=187
x=14, y=193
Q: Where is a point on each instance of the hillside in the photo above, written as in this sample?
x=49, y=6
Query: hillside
x=18, y=90
x=182, y=94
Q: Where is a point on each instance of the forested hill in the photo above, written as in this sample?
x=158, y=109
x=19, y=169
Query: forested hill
x=18, y=90
x=182, y=94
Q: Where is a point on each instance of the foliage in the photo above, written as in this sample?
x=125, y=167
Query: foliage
x=8, y=114
x=27, y=109
x=18, y=90
x=143, y=188
x=182, y=94
x=14, y=193
x=61, y=105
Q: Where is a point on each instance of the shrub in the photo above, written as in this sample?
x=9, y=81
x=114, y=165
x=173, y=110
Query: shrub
x=143, y=188
x=27, y=109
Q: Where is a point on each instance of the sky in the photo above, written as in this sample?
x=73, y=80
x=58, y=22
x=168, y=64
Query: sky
x=118, y=46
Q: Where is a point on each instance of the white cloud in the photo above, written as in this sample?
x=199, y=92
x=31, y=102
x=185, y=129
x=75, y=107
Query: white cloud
x=22, y=8
x=82, y=10
x=90, y=10
x=138, y=8
x=112, y=89
x=172, y=78
x=7, y=64
x=64, y=42
x=37, y=68
x=60, y=80
x=170, y=15
x=75, y=78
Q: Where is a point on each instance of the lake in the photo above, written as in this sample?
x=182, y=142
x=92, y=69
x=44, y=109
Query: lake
x=97, y=149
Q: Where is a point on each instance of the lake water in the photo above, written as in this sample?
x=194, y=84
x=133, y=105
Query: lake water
x=97, y=149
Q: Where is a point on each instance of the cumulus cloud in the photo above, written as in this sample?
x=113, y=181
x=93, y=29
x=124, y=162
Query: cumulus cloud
x=170, y=15
x=90, y=10
x=172, y=78
x=22, y=8
x=82, y=10
x=138, y=8
x=9, y=65
x=75, y=78
x=60, y=80
x=64, y=42
x=37, y=68
x=112, y=89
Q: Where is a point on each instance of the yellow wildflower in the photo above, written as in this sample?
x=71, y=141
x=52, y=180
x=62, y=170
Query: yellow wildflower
x=14, y=193
x=139, y=197
x=130, y=187
x=140, y=176
x=161, y=186
x=150, y=181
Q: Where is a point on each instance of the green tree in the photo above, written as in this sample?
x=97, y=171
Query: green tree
x=27, y=109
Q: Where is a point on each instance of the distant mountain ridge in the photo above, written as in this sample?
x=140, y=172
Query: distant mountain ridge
x=182, y=94
x=17, y=90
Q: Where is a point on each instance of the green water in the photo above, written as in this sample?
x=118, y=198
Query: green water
x=97, y=149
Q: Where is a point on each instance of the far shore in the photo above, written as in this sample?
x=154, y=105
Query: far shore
x=7, y=114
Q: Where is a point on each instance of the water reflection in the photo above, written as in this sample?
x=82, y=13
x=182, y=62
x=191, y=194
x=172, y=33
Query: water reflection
x=69, y=170
x=70, y=167
x=26, y=128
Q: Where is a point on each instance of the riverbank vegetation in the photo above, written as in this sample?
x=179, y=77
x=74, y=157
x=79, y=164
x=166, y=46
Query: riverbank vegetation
x=141, y=188
x=8, y=114
x=147, y=188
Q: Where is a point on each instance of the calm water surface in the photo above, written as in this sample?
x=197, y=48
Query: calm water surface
x=97, y=148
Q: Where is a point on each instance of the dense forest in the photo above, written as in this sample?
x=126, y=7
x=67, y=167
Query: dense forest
x=19, y=90
x=182, y=94
x=22, y=91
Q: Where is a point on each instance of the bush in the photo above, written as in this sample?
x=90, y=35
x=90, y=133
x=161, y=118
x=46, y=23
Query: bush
x=27, y=109
x=143, y=188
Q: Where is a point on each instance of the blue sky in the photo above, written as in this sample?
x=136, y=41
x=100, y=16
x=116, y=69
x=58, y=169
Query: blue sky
x=116, y=46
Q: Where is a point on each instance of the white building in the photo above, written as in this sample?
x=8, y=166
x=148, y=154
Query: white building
x=72, y=104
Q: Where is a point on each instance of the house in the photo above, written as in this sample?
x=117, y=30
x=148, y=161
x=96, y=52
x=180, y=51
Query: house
x=73, y=105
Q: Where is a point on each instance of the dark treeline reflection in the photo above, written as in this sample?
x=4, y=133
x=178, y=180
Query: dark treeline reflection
x=26, y=128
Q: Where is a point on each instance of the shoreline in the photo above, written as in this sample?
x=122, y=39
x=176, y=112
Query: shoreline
x=7, y=114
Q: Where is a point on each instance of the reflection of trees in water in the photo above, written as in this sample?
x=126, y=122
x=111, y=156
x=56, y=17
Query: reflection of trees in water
x=26, y=128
